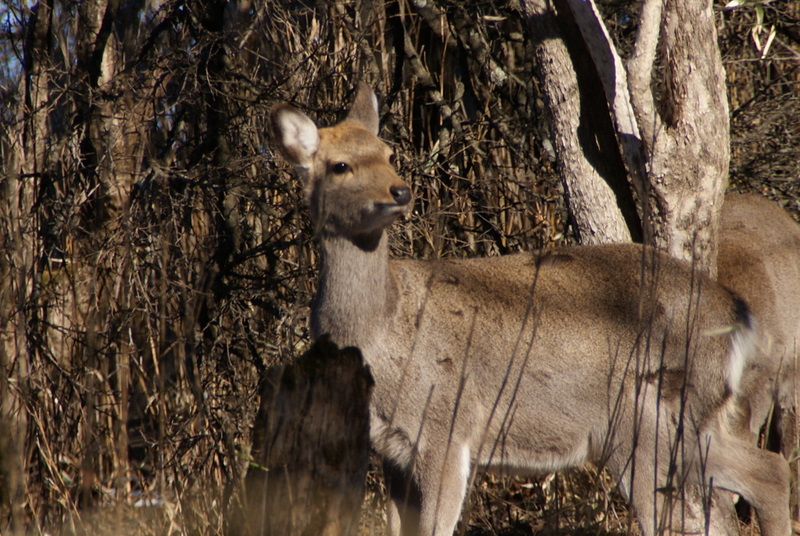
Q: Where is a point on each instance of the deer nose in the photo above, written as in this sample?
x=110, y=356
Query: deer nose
x=401, y=194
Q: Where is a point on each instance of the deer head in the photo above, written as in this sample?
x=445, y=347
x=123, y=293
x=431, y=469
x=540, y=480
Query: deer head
x=348, y=175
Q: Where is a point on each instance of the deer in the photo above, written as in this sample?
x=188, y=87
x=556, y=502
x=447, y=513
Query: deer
x=759, y=259
x=523, y=363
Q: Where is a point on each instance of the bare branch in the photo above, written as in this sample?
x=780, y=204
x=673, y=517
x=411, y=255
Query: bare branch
x=582, y=168
x=640, y=70
x=611, y=73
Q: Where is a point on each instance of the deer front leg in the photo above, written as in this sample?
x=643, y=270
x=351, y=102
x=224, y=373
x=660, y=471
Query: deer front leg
x=443, y=477
x=403, y=508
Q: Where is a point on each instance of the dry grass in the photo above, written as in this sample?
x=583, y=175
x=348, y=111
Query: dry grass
x=156, y=257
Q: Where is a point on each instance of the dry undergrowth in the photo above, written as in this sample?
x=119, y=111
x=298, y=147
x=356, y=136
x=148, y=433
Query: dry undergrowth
x=156, y=257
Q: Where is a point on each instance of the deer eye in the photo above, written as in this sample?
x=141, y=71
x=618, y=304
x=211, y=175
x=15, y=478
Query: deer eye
x=392, y=159
x=340, y=167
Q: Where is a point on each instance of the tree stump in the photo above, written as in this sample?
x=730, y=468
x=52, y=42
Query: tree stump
x=310, y=446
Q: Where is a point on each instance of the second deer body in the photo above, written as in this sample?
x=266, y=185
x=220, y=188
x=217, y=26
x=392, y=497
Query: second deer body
x=528, y=363
x=759, y=259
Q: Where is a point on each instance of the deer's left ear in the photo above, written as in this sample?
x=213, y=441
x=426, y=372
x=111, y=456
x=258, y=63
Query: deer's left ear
x=365, y=108
x=295, y=134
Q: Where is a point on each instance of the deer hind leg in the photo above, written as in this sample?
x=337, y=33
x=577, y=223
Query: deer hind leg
x=760, y=476
x=657, y=475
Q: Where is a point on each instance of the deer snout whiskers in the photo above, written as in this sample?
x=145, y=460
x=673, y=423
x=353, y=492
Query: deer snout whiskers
x=391, y=210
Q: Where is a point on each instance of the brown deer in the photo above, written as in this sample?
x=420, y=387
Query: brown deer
x=759, y=259
x=526, y=363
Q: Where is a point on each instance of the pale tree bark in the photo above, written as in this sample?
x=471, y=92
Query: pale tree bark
x=676, y=150
x=687, y=140
x=593, y=181
x=610, y=72
x=682, y=178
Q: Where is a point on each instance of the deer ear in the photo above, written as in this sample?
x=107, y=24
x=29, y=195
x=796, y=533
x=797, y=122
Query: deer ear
x=365, y=108
x=296, y=135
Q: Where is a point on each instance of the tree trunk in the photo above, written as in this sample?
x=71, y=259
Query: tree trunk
x=310, y=446
x=685, y=131
x=679, y=162
x=18, y=265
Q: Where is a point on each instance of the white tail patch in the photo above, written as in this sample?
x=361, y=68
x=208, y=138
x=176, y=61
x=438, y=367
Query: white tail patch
x=743, y=348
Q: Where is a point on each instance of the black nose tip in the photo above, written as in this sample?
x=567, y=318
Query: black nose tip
x=401, y=194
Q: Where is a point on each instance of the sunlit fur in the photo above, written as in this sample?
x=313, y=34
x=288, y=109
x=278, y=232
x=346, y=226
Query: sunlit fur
x=531, y=362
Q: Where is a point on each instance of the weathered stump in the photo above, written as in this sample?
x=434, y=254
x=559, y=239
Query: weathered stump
x=310, y=446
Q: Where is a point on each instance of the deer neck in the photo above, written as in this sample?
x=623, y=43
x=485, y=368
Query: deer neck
x=356, y=290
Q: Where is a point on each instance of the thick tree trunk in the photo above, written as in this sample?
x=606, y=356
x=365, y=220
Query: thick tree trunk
x=685, y=131
x=679, y=162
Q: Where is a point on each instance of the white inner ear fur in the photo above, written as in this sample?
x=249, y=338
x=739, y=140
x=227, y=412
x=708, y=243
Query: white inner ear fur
x=374, y=100
x=299, y=136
